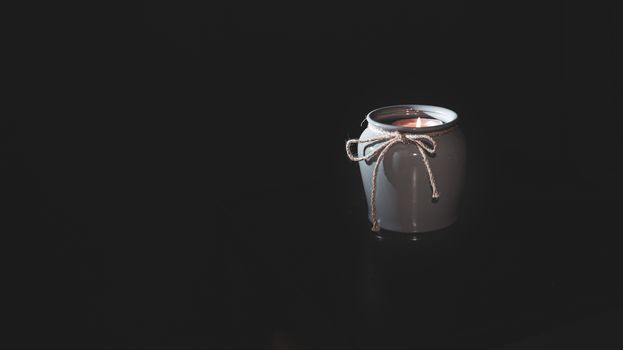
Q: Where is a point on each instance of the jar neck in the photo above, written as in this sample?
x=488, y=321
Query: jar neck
x=383, y=117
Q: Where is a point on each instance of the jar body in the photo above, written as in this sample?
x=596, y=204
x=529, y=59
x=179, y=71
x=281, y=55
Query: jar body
x=404, y=200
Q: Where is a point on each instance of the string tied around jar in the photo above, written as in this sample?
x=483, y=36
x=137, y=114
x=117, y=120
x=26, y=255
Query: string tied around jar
x=425, y=144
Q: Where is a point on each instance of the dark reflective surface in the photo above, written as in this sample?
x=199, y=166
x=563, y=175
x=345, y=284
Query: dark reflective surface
x=497, y=276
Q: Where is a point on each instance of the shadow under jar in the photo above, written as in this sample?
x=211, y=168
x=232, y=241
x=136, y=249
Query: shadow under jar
x=404, y=188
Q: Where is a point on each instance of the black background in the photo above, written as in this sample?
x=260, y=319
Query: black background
x=178, y=171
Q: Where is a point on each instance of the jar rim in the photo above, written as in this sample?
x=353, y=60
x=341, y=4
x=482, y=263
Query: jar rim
x=447, y=116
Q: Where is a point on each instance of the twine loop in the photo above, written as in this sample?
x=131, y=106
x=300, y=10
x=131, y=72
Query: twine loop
x=425, y=144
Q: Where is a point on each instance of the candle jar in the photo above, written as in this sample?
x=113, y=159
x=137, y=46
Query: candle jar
x=419, y=178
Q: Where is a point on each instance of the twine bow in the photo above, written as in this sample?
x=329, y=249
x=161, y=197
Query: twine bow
x=425, y=143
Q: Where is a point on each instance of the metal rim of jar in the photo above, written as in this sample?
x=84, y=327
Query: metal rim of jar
x=452, y=118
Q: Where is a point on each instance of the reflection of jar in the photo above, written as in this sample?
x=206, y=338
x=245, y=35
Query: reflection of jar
x=404, y=200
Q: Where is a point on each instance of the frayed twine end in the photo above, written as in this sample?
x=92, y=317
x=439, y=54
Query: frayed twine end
x=376, y=227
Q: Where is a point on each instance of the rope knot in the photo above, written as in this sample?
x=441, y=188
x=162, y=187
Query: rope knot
x=403, y=138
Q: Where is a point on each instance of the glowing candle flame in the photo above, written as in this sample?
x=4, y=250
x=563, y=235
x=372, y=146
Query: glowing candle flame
x=417, y=122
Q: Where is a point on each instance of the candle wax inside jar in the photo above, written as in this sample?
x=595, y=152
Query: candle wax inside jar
x=417, y=122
